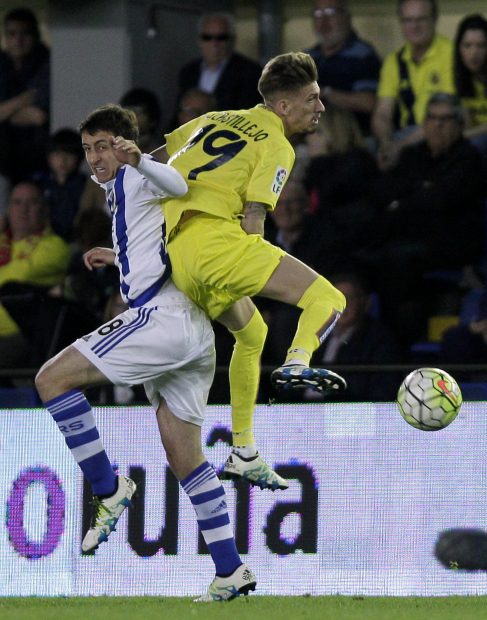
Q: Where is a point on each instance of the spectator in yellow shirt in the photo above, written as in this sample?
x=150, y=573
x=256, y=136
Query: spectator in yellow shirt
x=409, y=76
x=30, y=253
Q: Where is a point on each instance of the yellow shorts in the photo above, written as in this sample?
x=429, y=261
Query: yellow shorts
x=216, y=263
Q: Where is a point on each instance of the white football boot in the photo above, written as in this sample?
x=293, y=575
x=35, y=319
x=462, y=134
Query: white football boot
x=106, y=513
x=255, y=470
x=222, y=589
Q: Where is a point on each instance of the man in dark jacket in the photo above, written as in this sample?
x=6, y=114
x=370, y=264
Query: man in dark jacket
x=229, y=76
x=360, y=337
x=431, y=211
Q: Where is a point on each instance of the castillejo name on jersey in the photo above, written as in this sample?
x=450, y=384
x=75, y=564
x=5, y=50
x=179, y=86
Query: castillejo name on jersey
x=240, y=123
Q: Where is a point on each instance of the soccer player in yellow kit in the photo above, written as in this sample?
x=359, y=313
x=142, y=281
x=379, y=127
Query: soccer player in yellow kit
x=236, y=164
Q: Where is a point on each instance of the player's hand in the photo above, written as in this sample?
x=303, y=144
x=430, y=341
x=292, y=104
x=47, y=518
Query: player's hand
x=253, y=218
x=98, y=257
x=126, y=151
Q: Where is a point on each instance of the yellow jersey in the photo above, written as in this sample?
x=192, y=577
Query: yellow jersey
x=229, y=158
x=40, y=259
x=476, y=106
x=433, y=74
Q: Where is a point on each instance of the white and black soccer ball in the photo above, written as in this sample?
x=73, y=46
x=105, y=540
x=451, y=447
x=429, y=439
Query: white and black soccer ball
x=429, y=399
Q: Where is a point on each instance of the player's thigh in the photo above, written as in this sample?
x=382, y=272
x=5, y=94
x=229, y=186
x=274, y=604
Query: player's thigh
x=186, y=385
x=216, y=263
x=141, y=343
x=238, y=315
x=289, y=281
x=67, y=370
x=185, y=389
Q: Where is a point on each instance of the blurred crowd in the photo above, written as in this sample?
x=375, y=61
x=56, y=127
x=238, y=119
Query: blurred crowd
x=387, y=198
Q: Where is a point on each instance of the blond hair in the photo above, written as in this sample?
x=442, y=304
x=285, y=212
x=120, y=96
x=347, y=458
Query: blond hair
x=287, y=73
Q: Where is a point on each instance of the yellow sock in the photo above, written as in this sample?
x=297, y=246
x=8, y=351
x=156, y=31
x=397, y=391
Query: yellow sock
x=322, y=305
x=244, y=376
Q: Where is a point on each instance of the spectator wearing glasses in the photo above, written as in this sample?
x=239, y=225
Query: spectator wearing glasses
x=409, y=76
x=431, y=215
x=348, y=67
x=221, y=71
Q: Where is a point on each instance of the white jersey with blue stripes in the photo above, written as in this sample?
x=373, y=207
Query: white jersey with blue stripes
x=138, y=234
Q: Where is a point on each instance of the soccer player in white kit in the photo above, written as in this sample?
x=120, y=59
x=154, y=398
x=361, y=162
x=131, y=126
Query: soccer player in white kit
x=163, y=341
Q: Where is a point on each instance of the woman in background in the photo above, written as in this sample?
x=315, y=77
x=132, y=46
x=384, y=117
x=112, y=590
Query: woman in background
x=470, y=76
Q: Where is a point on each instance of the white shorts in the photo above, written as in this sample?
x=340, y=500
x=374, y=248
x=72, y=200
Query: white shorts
x=168, y=345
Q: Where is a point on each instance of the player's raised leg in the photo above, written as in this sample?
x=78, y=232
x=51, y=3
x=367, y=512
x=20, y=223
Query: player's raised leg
x=182, y=443
x=59, y=383
x=246, y=324
x=295, y=283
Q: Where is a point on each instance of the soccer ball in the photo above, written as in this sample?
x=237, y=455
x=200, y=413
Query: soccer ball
x=429, y=399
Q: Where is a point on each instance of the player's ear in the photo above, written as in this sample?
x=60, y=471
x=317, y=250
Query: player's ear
x=282, y=106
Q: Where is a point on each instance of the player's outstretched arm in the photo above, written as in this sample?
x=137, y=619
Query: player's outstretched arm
x=98, y=257
x=164, y=177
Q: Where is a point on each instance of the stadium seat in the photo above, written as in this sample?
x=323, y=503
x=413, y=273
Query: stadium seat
x=425, y=352
x=444, y=275
x=474, y=390
x=438, y=324
x=19, y=398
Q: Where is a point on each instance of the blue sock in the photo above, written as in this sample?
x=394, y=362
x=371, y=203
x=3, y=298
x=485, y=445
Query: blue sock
x=74, y=417
x=209, y=502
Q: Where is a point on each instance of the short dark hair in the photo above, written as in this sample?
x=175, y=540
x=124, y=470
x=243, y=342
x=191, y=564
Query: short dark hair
x=65, y=140
x=26, y=16
x=113, y=119
x=145, y=99
x=287, y=73
x=433, y=4
x=448, y=99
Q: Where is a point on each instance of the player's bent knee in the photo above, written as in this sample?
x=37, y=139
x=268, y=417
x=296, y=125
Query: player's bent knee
x=341, y=302
x=47, y=381
x=42, y=381
x=253, y=335
x=323, y=290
